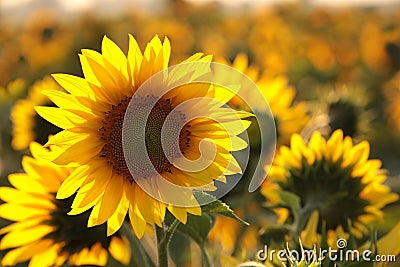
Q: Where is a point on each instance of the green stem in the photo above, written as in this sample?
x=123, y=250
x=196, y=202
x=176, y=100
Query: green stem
x=302, y=218
x=206, y=257
x=162, y=247
x=164, y=236
x=139, y=256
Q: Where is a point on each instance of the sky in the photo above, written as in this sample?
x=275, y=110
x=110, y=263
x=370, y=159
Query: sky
x=76, y=5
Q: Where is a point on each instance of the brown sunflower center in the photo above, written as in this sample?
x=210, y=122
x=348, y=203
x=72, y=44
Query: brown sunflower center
x=111, y=134
x=72, y=231
x=47, y=34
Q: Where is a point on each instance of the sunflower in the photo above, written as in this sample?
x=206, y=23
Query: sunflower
x=44, y=39
x=341, y=107
x=335, y=183
x=43, y=233
x=379, y=44
x=319, y=52
x=92, y=116
x=27, y=125
x=12, y=64
x=12, y=91
x=290, y=117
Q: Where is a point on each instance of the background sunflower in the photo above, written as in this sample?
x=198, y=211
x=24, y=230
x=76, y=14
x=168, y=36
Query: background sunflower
x=42, y=232
x=333, y=183
x=27, y=126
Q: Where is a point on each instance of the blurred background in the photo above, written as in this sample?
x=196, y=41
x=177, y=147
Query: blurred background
x=342, y=58
x=318, y=45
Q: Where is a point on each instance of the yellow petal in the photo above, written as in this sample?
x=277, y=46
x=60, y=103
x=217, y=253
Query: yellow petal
x=63, y=100
x=194, y=210
x=48, y=257
x=17, y=226
x=106, y=85
x=113, y=54
x=26, y=184
x=300, y=149
x=166, y=52
x=115, y=221
x=145, y=204
x=97, y=255
x=309, y=235
x=93, y=187
x=38, y=169
x=137, y=221
x=334, y=146
x=94, y=214
x=56, y=116
x=11, y=195
x=286, y=155
x=25, y=236
x=179, y=213
x=134, y=59
x=77, y=86
x=120, y=249
x=73, y=182
x=22, y=254
x=215, y=130
x=80, y=152
x=111, y=198
x=358, y=154
x=14, y=212
x=388, y=244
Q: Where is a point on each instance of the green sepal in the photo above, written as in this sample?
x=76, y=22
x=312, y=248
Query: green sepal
x=290, y=200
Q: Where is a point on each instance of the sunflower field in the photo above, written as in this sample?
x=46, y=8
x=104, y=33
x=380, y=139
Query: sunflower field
x=199, y=133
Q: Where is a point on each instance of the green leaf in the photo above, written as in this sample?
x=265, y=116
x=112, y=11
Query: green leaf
x=290, y=199
x=197, y=228
x=215, y=206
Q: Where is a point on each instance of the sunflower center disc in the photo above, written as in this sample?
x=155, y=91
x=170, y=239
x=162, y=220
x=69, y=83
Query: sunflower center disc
x=73, y=230
x=111, y=133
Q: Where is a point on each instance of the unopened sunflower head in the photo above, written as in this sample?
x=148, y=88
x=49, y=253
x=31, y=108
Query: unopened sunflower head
x=93, y=114
x=331, y=183
x=341, y=107
x=42, y=232
x=27, y=125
